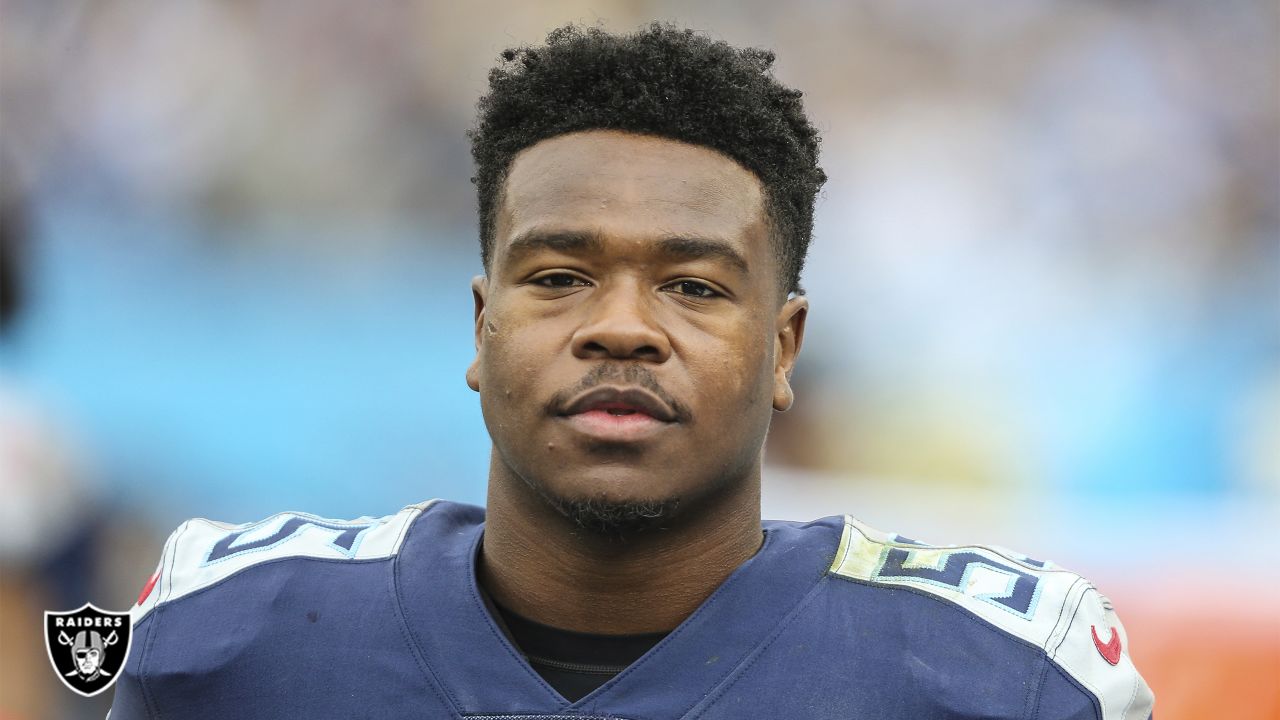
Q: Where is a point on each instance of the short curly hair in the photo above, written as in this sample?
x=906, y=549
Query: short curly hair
x=660, y=81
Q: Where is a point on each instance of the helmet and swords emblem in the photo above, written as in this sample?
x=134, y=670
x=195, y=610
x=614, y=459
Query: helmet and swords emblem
x=87, y=647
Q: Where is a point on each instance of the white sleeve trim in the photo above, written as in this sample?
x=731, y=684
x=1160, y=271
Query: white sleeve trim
x=1058, y=615
x=202, y=552
x=1120, y=690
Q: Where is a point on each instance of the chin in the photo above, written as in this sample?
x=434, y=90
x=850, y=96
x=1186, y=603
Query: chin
x=619, y=518
x=610, y=513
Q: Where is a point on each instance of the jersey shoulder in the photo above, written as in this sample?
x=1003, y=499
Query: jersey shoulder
x=1034, y=601
x=201, y=553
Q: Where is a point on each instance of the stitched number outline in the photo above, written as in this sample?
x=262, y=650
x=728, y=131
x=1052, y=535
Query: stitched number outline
x=347, y=540
x=956, y=570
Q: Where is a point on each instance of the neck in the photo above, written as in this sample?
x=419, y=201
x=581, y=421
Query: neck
x=539, y=564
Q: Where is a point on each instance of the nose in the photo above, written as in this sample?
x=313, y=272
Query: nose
x=620, y=324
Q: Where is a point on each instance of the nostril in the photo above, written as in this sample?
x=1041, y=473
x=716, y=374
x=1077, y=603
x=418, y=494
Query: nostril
x=619, y=343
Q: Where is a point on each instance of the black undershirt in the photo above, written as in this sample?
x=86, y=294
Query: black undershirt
x=573, y=663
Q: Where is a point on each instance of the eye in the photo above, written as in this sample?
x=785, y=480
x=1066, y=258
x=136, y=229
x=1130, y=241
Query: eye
x=693, y=288
x=560, y=281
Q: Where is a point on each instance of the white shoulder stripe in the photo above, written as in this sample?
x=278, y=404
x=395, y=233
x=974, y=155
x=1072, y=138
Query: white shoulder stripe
x=202, y=552
x=1045, y=605
x=1090, y=630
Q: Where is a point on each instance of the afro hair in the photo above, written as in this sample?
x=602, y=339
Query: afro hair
x=660, y=81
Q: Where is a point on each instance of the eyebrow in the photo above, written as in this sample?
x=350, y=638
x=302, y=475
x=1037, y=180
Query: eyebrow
x=695, y=248
x=561, y=241
x=684, y=247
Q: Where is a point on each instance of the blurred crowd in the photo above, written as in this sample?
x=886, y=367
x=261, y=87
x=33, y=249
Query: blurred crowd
x=1045, y=274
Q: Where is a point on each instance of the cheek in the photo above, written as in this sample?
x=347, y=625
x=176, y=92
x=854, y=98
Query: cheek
x=760, y=376
x=741, y=372
x=500, y=369
x=514, y=357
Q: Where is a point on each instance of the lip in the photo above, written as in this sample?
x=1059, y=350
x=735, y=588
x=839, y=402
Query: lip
x=606, y=398
x=590, y=414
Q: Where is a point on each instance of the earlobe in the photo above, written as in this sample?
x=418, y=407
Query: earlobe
x=787, y=342
x=479, y=288
x=783, y=396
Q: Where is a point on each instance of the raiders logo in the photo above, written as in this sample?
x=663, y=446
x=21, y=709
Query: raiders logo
x=87, y=647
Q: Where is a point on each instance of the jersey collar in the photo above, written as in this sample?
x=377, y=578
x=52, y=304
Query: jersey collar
x=470, y=662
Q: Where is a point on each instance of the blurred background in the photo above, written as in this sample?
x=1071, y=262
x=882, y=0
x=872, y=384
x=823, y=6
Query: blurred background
x=1045, y=285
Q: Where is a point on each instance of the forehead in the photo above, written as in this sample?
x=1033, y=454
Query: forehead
x=630, y=186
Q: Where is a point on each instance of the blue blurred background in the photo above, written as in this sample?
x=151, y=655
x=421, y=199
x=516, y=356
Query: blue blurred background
x=1045, y=285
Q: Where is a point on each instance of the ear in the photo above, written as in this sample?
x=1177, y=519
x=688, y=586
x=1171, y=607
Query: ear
x=479, y=289
x=786, y=346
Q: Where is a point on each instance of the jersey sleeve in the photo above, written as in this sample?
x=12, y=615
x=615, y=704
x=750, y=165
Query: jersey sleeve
x=202, y=554
x=129, y=701
x=1090, y=674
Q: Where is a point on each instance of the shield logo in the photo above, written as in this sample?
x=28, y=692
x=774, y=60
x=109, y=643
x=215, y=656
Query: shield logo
x=87, y=647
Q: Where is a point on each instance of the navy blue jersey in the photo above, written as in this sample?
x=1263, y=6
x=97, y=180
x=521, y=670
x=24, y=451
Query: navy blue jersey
x=303, y=617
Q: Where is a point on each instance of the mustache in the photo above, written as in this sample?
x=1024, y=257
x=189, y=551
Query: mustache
x=611, y=374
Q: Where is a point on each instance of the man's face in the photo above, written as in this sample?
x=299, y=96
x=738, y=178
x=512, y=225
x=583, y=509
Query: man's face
x=87, y=660
x=632, y=335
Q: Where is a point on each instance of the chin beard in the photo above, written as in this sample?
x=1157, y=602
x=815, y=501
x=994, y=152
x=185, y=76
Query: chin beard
x=614, y=519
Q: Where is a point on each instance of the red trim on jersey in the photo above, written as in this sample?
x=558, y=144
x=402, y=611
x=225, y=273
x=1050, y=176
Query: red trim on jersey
x=1110, y=650
x=151, y=583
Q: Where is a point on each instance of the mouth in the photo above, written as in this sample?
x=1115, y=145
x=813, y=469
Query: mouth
x=619, y=414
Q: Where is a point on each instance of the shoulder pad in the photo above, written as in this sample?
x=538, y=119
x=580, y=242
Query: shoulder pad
x=202, y=552
x=1038, y=602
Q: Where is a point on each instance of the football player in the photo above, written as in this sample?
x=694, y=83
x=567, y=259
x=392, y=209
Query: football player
x=646, y=204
